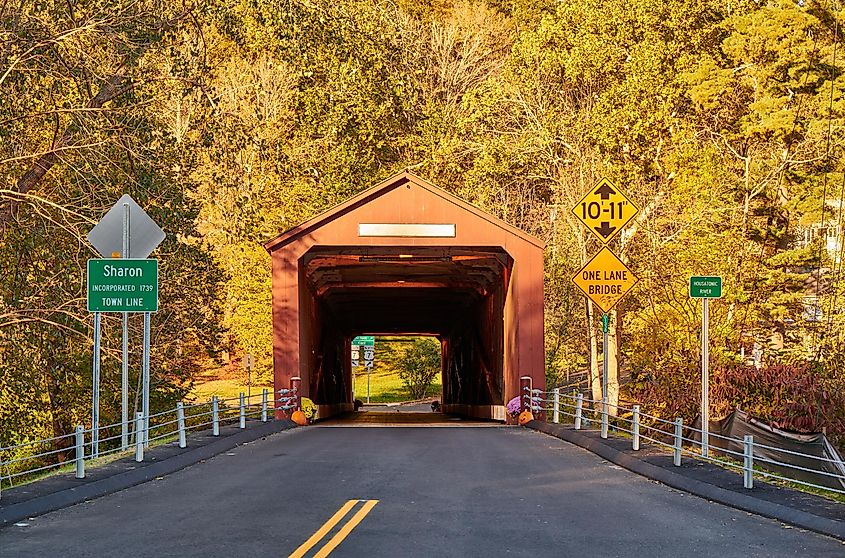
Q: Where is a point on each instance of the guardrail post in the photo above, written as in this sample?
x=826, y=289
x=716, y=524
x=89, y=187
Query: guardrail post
x=524, y=393
x=264, y=405
x=241, y=415
x=635, y=429
x=180, y=423
x=139, y=436
x=604, y=417
x=295, y=384
x=679, y=424
x=215, y=418
x=579, y=410
x=556, y=412
x=748, y=465
x=80, y=452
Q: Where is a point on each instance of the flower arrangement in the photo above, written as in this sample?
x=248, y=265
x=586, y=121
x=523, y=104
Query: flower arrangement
x=308, y=408
x=514, y=407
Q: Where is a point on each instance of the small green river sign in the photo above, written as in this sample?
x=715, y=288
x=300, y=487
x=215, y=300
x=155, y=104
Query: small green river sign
x=705, y=287
x=122, y=285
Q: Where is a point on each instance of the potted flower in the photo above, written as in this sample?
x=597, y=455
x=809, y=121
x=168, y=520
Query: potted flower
x=514, y=407
x=522, y=418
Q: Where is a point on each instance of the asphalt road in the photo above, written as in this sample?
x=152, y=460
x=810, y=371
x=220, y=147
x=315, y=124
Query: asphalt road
x=441, y=491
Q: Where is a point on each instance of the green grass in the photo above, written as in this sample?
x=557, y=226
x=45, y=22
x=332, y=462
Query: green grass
x=224, y=389
x=67, y=467
x=90, y=463
x=387, y=387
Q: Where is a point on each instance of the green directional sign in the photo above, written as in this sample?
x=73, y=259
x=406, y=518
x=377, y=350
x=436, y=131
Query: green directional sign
x=705, y=287
x=122, y=285
x=364, y=341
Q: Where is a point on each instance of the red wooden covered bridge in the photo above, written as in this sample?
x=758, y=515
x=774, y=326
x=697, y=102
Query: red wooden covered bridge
x=405, y=257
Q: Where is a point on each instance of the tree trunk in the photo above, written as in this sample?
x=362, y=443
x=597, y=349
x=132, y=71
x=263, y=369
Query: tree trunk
x=613, y=363
x=32, y=177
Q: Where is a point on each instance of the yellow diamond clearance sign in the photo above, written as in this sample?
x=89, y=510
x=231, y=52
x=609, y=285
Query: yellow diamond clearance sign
x=605, y=279
x=605, y=209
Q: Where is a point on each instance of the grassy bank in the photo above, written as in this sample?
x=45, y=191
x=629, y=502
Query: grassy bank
x=385, y=387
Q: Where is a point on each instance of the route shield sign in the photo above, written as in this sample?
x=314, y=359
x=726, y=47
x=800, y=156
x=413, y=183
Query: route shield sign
x=122, y=285
x=605, y=210
x=605, y=280
x=705, y=287
x=363, y=344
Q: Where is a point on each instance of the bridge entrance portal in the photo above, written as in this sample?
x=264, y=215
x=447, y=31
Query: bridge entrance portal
x=406, y=258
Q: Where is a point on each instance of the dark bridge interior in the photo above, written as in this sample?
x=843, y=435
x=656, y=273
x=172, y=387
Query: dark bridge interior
x=456, y=294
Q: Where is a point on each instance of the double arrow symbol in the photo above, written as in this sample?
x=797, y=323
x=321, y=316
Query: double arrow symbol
x=605, y=191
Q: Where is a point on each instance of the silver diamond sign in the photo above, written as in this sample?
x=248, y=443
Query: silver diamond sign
x=144, y=234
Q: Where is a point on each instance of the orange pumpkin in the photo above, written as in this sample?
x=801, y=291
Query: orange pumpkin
x=299, y=418
x=525, y=417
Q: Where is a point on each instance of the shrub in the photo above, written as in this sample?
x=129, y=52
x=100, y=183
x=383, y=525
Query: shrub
x=790, y=397
x=801, y=398
x=419, y=365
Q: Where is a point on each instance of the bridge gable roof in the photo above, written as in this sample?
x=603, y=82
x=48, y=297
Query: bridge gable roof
x=409, y=211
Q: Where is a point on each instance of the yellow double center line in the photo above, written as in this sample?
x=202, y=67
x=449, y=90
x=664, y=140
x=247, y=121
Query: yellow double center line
x=342, y=533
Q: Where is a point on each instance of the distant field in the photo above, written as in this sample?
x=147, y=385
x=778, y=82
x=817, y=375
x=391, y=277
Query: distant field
x=226, y=382
x=385, y=387
x=224, y=389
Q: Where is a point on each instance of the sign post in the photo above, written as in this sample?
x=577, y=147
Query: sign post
x=145, y=373
x=125, y=285
x=705, y=377
x=705, y=288
x=605, y=279
x=354, y=352
x=124, y=364
x=95, y=390
x=124, y=224
x=605, y=328
x=367, y=343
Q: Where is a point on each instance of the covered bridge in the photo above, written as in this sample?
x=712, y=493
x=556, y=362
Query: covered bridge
x=405, y=257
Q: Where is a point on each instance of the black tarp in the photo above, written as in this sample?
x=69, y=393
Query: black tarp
x=738, y=424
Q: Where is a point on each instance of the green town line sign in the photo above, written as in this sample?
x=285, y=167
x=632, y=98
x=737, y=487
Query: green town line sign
x=122, y=285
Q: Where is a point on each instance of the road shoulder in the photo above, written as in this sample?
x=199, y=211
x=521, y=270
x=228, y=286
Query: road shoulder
x=61, y=491
x=711, y=482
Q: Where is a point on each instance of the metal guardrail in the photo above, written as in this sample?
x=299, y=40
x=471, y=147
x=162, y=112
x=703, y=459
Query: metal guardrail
x=45, y=455
x=669, y=434
x=183, y=418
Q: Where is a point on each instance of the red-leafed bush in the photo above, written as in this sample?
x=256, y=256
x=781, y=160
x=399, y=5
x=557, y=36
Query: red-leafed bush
x=796, y=398
x=801, y=398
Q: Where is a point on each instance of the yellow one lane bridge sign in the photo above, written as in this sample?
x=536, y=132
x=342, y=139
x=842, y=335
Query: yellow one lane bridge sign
x=605, y=279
